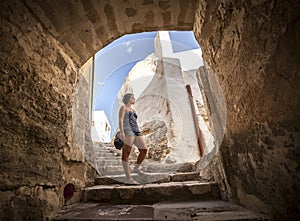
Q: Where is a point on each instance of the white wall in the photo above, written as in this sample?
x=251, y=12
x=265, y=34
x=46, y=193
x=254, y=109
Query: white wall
x=189, y=60
x=101, y=127
x=180, y=69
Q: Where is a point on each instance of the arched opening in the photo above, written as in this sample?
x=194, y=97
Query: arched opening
x=156, y=67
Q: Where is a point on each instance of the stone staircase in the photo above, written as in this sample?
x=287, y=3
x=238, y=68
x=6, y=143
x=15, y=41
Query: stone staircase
x=109, y=164
x=162, y=195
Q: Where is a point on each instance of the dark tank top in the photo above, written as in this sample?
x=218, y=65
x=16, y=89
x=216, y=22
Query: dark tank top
x=133, y=121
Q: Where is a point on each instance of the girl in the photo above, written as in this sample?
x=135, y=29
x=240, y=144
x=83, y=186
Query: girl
x=130, y=134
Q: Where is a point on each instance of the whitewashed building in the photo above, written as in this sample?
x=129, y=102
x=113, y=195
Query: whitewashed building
x=101, y=127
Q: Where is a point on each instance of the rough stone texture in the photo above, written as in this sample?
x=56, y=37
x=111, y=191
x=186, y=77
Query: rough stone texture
x=251, y=45
x=156, y=131
x=253, y=48
x=37, y=84
x=197, y=210
x=87, y=26
x=150, y=193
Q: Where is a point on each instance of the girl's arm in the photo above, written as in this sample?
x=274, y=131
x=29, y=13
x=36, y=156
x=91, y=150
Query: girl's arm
x=121, y=120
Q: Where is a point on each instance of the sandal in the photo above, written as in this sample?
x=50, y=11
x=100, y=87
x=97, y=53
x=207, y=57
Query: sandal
x=138, y=171
x=131, y=182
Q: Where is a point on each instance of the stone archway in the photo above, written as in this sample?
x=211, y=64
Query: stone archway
x=169, y=80
x=251, y=49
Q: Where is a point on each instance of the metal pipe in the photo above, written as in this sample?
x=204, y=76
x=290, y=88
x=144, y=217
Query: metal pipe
x=198, y=132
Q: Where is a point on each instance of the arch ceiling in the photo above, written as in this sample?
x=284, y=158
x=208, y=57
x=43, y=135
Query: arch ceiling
x=87, y=26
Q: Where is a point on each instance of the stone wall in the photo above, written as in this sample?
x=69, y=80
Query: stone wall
x=38, y=153
x=252, y=46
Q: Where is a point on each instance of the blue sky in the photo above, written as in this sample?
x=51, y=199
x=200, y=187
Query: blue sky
x=113, y=63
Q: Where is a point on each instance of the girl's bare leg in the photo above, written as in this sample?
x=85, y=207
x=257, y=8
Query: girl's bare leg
x=126, y=150
x=140, y=143
x=125, y=155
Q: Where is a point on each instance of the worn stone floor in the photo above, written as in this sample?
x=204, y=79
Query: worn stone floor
x=215, y=210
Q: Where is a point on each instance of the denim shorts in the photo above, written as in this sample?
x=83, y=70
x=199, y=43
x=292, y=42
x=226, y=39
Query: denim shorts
x=128, y=132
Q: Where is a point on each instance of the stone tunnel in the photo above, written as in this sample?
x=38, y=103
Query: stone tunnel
x=252, y=46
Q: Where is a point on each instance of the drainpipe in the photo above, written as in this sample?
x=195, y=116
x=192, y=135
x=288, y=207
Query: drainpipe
x=198, y=132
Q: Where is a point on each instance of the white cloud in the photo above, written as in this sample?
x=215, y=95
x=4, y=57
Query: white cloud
x=129, y=50
x=128, y=46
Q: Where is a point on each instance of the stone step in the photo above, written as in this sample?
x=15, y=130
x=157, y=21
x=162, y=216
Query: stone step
x=215, y=210
x=111, y=162
x=102, y=145
x=108, y=162
x=168, y=168
x=107, y=154
x=108, y=170
x=151, y=193
x=106, y=158
x=149, y=178
x=103, y=150
x=110, y=154
x=97, y=153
